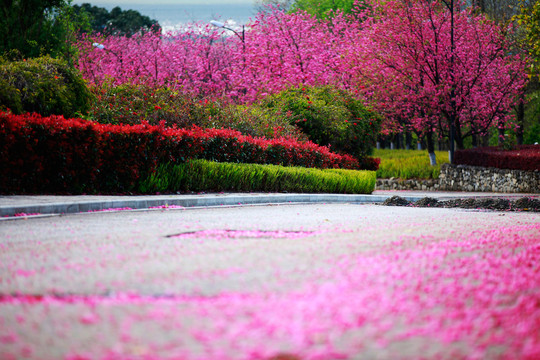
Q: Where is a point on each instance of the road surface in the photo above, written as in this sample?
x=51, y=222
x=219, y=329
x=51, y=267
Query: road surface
x=271, y=282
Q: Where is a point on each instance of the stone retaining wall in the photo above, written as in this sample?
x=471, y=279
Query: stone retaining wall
x=470, y=178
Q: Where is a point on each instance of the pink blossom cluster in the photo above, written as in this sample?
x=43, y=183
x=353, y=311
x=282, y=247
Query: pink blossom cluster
x=422, y=81
x=398, y=56
x=277, y=51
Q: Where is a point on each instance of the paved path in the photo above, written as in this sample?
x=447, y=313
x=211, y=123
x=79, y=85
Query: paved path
x=317, y=281
x=52, y=204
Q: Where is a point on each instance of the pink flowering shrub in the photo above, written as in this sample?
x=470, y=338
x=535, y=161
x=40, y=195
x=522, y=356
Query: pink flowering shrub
x=54, y=154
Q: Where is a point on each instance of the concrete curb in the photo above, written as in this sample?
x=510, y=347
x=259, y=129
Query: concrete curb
x=190, y=201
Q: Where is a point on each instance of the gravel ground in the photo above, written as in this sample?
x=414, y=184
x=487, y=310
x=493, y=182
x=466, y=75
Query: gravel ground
x=498, y=204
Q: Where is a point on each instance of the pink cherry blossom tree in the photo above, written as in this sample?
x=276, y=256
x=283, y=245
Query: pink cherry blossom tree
x=419, y=81
x=398, y=56
x=277, y=51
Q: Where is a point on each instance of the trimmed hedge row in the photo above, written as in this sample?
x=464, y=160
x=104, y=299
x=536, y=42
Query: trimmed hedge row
x=523, y=157
x=203, y=175
x=57, y=155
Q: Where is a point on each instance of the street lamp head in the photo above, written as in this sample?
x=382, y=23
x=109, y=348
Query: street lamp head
x=218, y=24
x=98, y=45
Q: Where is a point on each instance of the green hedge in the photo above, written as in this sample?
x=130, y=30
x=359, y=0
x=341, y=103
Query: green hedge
x=43, y=85
x=202, y=175
x=329, y=116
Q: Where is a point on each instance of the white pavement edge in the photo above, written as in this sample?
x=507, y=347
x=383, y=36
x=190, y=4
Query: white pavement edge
x=70, y=207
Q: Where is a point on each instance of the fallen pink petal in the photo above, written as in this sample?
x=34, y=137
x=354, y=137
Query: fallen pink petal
x=308, y=292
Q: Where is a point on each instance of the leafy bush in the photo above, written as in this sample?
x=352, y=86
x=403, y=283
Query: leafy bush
x=523, y=157
x=329, y=116
x=202, y=175
x=409, y=164
x=132, y=104
x=533, y=134
x=53, y=154
x=43, y=85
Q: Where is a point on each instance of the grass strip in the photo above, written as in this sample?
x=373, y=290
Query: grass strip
x=409, y=164
x=203, y=175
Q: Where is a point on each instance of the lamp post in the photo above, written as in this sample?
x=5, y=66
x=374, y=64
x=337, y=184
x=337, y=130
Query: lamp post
x=242, y=37
x=221, y=25
x=102, y=47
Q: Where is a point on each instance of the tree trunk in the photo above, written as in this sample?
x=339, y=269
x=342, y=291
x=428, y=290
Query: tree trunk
x=431, y=149
x=398, y=140
x=408, y=140
x=458, y=137
x=485, y=140
x=520, y=121
x=474, y=140
x=500, y=137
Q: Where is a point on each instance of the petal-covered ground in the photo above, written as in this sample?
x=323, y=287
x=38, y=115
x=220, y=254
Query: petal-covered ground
x=288, y=282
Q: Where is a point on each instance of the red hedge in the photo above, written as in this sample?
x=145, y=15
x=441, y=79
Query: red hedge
x=524, y=157
x=56, y=155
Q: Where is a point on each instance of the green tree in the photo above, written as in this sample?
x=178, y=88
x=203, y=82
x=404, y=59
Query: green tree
x=325, y=8
x=117, y=21
x=529, y=23
x=27, y=25
x=32, y=28
x=322, y=9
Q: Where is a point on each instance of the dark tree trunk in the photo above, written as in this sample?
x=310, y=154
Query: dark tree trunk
x=408, y=140
x=431, y=148
x=500, y=133
x=485, y=140
x=458, y=137
x=520, y=121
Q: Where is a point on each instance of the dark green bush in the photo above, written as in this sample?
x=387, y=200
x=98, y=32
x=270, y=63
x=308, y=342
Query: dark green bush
x=329, y=116
x=131, y=104
x=43, y=85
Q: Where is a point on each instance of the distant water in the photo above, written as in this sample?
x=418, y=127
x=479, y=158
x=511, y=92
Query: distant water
x=172, y=17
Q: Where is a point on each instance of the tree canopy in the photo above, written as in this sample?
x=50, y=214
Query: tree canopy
x=324, y=9
x=117, y=21
x=32, y=27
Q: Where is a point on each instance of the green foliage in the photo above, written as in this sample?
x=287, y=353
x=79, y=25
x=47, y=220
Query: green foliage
x=117, y=21
x=409, y=164
x=529, y=21
x=531, y=133
x=39, y=27
x=43, y=85
x=532, y=136
x=131, y=104
x=202, y=175
x=324, y=9
x=328, y=116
